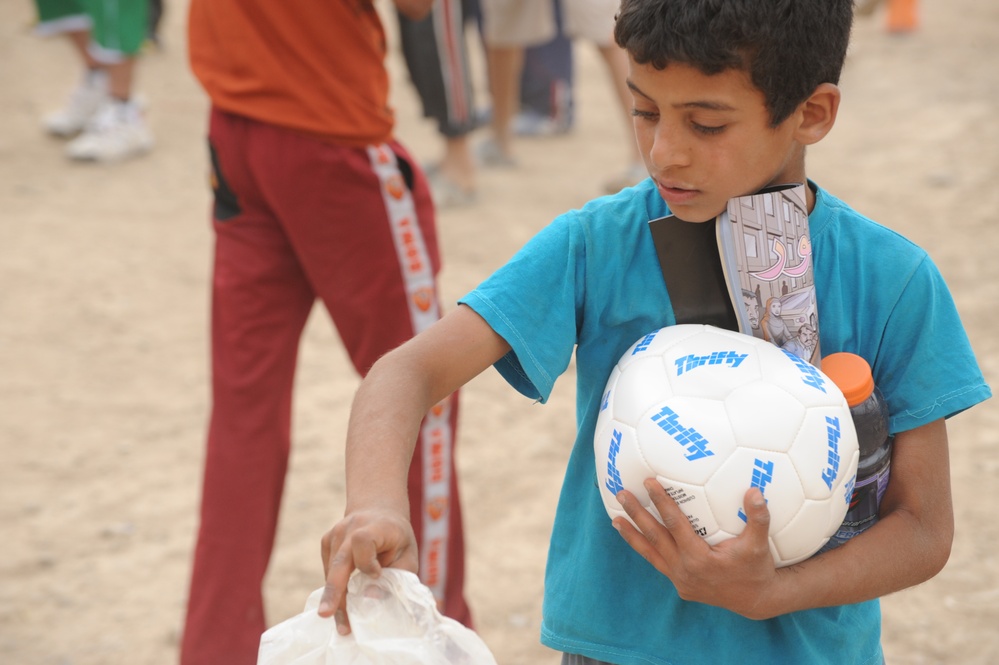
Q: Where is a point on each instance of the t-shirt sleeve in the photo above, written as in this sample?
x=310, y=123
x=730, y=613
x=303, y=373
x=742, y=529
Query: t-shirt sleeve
x=531, y=302
x=927, y=369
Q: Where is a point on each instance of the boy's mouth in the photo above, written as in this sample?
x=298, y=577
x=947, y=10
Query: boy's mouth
x=675, y=193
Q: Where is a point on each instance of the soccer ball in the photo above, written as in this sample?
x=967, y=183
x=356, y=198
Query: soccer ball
x=710, y=413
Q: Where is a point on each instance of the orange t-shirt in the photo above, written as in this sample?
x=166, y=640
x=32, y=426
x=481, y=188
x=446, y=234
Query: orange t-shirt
x=312, y=65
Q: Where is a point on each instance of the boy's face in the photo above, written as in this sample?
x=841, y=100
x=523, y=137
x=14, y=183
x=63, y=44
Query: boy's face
x=707, y=139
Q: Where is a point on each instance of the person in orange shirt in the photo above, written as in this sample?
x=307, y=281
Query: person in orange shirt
x=313, y=198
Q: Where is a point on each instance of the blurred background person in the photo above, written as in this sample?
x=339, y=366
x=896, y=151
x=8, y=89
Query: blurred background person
x=900, y=16
x=436, y=54
x=546, y=92
x=510, y=27
x=101, y=112
x=314, y=198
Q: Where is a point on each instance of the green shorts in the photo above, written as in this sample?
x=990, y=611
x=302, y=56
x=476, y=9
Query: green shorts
x=118, y=27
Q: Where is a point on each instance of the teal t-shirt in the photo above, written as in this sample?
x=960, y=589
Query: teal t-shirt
x=590, y=282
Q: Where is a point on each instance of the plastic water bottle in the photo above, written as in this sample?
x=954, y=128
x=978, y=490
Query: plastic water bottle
x=852, y=375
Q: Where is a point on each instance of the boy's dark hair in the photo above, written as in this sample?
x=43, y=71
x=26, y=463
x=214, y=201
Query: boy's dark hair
x=788, y=47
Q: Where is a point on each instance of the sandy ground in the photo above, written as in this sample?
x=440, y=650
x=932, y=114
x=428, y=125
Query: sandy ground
x=103, y=350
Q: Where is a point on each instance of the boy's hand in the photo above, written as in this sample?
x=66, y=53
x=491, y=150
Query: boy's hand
x=367, y=540
x=735, y=574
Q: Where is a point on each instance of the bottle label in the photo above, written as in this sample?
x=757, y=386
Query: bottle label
x=863, y=511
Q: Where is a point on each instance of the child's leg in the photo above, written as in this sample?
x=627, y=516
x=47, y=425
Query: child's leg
x=116, y=127
x=546, y=92
x=69, y=18
x=260, y=302
x=509, y=27
x=593, y=20
x=80, y=39
x=369, y=247
x=436, y=56
x=119, y=30
x=505, y=64
x=616, y=60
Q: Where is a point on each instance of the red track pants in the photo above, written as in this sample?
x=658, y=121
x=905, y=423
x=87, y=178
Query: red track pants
x=295, y=219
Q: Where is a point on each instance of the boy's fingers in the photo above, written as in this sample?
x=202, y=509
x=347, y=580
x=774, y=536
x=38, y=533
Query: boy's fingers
x=338, y=570
x=341, y=555
x=757, y=516
x=333, y=600
x=328, y=601
x=673, y=518
x=359, y=554
x=365, y=554
x=333, y=591
x=653, y=537
x=332, y=603
x=636, y=511
x=365, y=543
x=640, y=543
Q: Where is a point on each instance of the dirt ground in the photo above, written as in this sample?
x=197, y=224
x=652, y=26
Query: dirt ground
x=103, y=346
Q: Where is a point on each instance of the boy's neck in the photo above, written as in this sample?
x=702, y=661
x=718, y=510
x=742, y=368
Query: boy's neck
x=809, y=198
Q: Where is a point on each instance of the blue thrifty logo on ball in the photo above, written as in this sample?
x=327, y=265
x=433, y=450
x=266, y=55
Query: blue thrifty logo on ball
x=613, y=482
x=688, y=437
x=763, y=475
x=643, y=344
x=731, y=358
x=810, y=376
x=833, y=434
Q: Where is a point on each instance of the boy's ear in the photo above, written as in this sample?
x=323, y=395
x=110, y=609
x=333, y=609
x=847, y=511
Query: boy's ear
x=817, y=114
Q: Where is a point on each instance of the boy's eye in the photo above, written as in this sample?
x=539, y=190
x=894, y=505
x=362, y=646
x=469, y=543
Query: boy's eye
x=646, y=115
x=705, y=129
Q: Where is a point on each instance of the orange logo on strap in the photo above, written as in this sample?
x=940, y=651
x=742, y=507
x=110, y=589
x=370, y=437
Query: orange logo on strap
x=434, y=551
x=437, y=452
x=395, y=187
x=411, y=248
x=423, y=298
x=437, y=508
x=384, y=157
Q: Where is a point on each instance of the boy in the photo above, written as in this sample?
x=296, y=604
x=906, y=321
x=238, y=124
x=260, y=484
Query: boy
x=727, y=95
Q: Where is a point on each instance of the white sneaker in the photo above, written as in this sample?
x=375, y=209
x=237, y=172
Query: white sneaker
x=117, y=131
x=85, y=100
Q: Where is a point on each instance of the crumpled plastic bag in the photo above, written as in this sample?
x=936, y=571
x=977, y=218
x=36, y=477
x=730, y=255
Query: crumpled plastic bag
x=394, y=621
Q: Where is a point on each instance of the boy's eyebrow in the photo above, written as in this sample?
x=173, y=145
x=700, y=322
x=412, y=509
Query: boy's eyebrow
x=699, y=104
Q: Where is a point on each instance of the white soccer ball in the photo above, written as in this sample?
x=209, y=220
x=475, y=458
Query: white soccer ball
x=710, y=413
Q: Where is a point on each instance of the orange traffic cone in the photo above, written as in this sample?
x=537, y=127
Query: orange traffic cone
x=903, y=16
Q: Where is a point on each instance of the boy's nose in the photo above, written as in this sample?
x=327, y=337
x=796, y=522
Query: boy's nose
x=668, y=150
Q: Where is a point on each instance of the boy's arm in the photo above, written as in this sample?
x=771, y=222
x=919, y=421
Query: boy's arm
x=382, y=431
x=909, y=544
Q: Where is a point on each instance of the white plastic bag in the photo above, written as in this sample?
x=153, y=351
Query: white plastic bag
x=394, y=621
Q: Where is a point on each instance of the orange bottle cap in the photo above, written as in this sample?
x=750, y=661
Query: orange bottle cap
x=851, y=374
